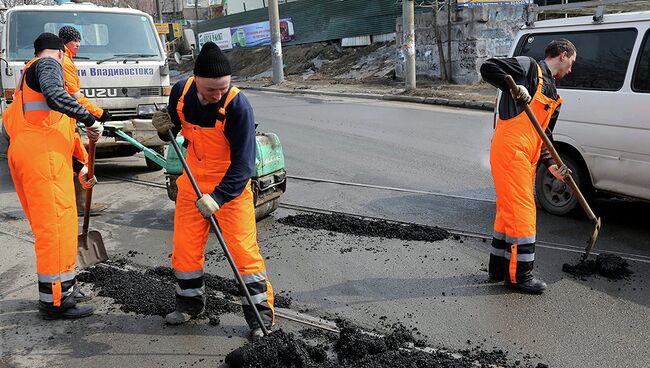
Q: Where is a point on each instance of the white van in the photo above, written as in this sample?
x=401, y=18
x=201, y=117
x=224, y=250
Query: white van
x=603, y=131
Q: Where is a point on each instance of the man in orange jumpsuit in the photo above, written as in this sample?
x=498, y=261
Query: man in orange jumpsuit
x=217, y=122
x=72, y=41
x=40, y=126
x=514, y=153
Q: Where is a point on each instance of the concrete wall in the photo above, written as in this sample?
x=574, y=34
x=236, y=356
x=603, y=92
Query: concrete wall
x=477, y=33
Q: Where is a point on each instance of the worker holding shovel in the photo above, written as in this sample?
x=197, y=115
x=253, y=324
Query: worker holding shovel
x=40, y=126
x=514, y=153
x=218, y=125
x=72, y=41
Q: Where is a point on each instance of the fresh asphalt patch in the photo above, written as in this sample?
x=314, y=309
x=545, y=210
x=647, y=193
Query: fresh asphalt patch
x=354, y=348
x=607, y=265
x=152, y=291
x=366, y=227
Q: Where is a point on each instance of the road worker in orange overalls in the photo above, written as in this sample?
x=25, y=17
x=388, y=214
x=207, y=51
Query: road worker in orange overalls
x=72, y=41
x=40, y=127
x=217, y=122
x=514, y=153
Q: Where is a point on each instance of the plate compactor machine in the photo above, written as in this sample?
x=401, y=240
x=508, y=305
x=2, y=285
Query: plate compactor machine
x=268, y=180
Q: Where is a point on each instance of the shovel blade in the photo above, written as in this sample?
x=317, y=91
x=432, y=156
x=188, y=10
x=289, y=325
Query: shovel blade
x=91, y=249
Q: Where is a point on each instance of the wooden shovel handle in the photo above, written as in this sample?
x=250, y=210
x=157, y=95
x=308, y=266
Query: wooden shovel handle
x=549, y=145
x=89, y=192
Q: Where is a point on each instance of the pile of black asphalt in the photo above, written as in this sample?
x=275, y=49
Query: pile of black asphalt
x=354, y=348
x=152, y=292
x=366, y=227
x=607, y=265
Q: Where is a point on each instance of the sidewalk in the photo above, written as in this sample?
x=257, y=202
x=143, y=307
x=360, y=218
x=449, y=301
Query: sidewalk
x=480, y=97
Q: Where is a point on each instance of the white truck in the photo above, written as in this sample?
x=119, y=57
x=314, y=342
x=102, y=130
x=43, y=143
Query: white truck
x=122, y=64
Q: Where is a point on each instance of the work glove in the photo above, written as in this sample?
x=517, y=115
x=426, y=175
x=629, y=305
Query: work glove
x=83, y=178
x=94, y=131
x=207, y=205
x=521, y=95
x=560, y=173
x=162, y=122
x=106, y=116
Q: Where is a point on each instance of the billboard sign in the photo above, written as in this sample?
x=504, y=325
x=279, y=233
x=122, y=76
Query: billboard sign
x=219, y=36
x=259, y=34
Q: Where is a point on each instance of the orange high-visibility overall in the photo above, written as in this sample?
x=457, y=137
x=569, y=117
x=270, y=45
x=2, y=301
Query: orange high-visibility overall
x=208, y=156
x=40, y=160
x=72, y=85
x=514, y=153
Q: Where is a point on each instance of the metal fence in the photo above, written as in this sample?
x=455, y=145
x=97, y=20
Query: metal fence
x=322, y=20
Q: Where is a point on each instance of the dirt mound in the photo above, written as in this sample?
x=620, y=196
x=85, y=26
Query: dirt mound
x=608, y=265
x=321, y=60
x=363, y=227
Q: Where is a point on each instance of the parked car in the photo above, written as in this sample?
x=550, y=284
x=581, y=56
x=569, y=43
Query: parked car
x=603, y=131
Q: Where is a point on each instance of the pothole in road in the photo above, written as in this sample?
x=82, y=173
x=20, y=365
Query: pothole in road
x=365, y=227
x=607, y=265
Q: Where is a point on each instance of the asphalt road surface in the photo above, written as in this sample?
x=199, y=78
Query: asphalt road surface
x=438, y=159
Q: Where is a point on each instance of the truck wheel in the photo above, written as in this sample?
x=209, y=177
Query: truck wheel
x=152, y=165
x=553, y=195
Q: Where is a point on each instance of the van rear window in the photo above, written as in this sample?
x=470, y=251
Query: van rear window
x=641, y=81
x=603, y=56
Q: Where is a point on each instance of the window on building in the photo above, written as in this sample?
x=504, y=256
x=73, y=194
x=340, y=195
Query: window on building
x=641, y=82
x=603, y=56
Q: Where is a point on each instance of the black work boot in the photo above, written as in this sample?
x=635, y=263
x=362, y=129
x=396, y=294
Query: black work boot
x=81, y=294
x=523, y=279
x=498, y=262
x=49, y=312
x=532, y=286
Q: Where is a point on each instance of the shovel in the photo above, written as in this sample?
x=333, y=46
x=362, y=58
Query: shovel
x=90, y=249
x=217, y=232
x=572, y=184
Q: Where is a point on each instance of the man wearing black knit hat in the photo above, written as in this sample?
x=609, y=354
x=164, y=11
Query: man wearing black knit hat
x=217, y=122
x=40, y=125
x=72, y=41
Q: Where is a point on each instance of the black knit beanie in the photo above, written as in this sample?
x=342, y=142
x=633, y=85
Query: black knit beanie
x=69, y=33
x=48, y=41
x=211, y=62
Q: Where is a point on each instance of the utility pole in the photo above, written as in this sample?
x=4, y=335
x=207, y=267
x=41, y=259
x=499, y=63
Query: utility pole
x=450, y=74
x=160, y=20
x=196, y=25
x=276, y=43
x=408, y=48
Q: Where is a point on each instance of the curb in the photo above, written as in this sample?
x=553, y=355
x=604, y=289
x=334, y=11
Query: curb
x=475, y=105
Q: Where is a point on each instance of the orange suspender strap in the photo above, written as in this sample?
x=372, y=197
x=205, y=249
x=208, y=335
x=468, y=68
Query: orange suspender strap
x=232, y=93
x=181, y=100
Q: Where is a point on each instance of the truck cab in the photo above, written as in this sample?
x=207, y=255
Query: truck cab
x=121, y=63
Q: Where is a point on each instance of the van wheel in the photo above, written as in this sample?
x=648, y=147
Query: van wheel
x=152, y=165
x=553, y=195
